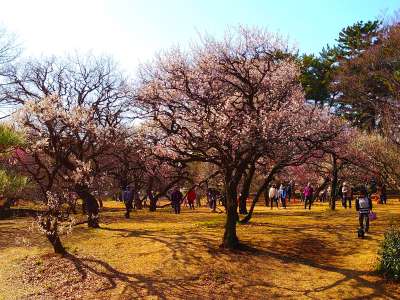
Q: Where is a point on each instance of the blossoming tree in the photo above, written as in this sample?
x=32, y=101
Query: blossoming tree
x=227, y=103
x=71, y=111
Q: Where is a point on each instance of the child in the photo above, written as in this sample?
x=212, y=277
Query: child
x=364, y=206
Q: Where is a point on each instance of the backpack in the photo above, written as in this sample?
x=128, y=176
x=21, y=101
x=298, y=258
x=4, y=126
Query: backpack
x=363, y=203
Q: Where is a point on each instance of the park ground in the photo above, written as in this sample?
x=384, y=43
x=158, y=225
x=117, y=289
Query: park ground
x=290, y=254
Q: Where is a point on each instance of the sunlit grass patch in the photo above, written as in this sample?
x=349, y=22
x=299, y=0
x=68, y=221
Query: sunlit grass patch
x=292, y=253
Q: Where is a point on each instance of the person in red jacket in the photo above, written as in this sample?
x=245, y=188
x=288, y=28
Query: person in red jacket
x=191, y=197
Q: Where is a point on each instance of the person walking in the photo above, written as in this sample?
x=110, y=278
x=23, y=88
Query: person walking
x=191, y=197
x=289, y=190
x=308, y=195
x=127, y=197
x=137, y=202
x=323, y=195
x=364, y=207
x=328, y=193
x=383, y=194
x=282, y=195
x=176, y=200
x=273, y=196
x=346, y=195
x=212, y=198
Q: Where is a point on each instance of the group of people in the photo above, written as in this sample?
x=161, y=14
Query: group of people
x=177, y=199
x=131, y=199
x=191, y=198
x=283, y=194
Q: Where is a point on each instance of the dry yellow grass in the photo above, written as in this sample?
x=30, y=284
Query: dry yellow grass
x=293, y=254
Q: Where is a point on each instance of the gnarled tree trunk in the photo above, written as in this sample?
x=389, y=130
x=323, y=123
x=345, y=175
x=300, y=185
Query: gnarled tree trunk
x=261, y=189
x=334, y=183
x=230, y=239
x=55, y=241
x=91, y=205
x=246, y=190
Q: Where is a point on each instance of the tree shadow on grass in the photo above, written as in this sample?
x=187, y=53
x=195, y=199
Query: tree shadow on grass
x=379, y=287
x=135, y=285
x=311, y=252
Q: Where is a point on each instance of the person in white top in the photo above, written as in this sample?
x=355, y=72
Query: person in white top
x=346, y=195
x=273, y=195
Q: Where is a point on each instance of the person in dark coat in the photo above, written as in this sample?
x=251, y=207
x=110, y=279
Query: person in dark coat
x=383, y=194
x=127, y=197
x=212, y=198
x=176, y=200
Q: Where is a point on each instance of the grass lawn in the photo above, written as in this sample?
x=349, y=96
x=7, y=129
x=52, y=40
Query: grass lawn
x=292, y=254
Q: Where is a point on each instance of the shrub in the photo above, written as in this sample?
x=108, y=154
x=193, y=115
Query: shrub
x=389, y=263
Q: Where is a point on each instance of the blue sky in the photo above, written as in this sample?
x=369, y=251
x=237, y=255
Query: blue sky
x=133, y=30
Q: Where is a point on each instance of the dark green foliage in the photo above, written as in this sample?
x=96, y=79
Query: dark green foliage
x=389, y=263
x=315, y=79
x=9, y=138
x=9, y=183
x=358, y=37
x=321, y=76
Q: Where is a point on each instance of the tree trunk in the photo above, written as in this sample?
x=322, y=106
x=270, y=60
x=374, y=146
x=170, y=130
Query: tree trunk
x=91, y=205
x=138, y=203
x=83, y=207
x=55, y=241
x=266, y=197
x=319, y=189
x=246, y=190
x=230, y=240
x=334, y=182
x=263, y=187
x=5, y=207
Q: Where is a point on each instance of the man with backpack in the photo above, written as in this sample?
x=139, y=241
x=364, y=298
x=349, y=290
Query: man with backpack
x=364, y=207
